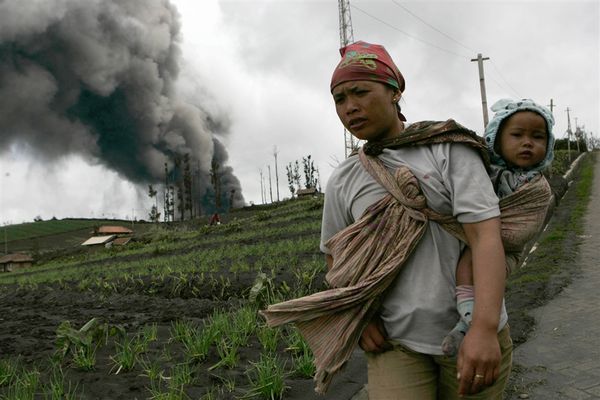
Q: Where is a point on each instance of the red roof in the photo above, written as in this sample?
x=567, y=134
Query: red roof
x=113, y=230
x=121, y=241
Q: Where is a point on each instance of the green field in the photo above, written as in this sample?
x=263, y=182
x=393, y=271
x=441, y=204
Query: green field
x=213, y=268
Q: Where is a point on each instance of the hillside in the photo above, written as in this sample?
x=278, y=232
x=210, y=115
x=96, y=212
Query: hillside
x=177, y=282
x=57, y=234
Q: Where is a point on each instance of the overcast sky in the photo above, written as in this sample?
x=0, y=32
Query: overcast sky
x=267, y=65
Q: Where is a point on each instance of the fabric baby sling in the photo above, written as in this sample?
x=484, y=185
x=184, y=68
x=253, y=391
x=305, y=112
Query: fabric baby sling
x=368, y=254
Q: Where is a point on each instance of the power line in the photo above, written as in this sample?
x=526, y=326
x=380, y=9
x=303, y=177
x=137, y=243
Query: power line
x=460, y=44
x=408, y=34
x=505, y=81
x=433, y=27
x=497, y=70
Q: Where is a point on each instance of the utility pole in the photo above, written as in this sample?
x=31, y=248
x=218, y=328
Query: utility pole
x=6, y=175
x=262, y=190
x=480, y=61
x=270, y=187
x=551, y=105
x=275, y=152
x=569, y=133
x=346, y=38
x=577, y=134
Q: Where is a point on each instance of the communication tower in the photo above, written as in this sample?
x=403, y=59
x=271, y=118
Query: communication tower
x=346, y=38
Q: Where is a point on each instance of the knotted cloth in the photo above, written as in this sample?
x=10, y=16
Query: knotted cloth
x=522, y=216
x=368, y=255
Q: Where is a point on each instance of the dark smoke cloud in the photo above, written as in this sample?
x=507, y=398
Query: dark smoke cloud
x=97, y=78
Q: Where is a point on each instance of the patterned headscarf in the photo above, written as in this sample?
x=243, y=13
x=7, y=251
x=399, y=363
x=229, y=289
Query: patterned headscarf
x=503, y=109
x=362, y=61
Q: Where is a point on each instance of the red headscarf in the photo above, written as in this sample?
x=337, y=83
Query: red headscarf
x=362, y=61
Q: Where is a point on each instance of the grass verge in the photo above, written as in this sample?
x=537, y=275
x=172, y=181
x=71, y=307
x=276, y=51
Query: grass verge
x=551, y=267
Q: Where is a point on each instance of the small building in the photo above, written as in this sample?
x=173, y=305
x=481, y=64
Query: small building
x=308, y=192
x=12, y=262
x=99, y=240
x=109, y=235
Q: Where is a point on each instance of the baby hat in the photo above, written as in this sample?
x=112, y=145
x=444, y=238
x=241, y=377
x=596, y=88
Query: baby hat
x=503, y=109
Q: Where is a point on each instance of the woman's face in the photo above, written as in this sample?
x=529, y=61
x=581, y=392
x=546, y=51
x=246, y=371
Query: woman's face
x=367, y=109
x=523, y=139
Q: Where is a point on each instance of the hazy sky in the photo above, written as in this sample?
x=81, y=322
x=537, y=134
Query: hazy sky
x=266, y=65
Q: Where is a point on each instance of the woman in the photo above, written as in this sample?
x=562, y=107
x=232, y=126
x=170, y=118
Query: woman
x=392, y=268
x=414, y=311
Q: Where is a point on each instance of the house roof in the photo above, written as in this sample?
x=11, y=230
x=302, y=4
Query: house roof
x=113, y=230
x=16, y=258
x=98, y=240
x=121, y=241
x=311, y=190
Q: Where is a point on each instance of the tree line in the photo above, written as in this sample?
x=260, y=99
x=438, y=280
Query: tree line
x=310, y=174
x=183, y=194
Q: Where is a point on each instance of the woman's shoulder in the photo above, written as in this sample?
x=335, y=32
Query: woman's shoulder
x=344, y=171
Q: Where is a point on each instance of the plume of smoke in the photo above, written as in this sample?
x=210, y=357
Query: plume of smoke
x=97, y=78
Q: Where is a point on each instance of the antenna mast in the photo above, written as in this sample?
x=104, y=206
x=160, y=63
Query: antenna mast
x=569, y=132
x=346, y=38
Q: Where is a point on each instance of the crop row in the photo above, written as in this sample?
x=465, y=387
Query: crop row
x=171, y=363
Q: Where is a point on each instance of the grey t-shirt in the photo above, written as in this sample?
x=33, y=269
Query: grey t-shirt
x=420, y=307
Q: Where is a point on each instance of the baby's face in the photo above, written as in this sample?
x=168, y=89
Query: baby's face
x=523, y=139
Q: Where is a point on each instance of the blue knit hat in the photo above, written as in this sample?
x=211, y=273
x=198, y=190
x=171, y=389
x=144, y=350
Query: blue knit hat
x=504, y=108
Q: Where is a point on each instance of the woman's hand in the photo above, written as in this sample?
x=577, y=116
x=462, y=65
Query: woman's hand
x=478, y=363
x=373, y=338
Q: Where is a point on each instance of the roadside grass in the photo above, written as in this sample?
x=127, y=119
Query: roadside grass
x=549, y=268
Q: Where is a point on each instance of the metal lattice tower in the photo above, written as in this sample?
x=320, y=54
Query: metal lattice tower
x=346, y=37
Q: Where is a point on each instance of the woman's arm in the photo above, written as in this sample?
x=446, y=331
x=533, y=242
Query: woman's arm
x=478, y=363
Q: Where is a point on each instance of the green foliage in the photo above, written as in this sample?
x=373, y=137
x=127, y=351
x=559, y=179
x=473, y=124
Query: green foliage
x=262, y=291
x=228, y=354
x=151, y=367
x=263, y=216
x=267, y=378
x=24, y=386
x=269, y=338
x=83, y=343
x=127, y=354
x=8, y=370
x=197, y=342
x=58, y=388
x=243, y=325
x=304, y=363
x=562, y=161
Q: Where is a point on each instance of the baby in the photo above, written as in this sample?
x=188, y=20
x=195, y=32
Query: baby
x=520, y=143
